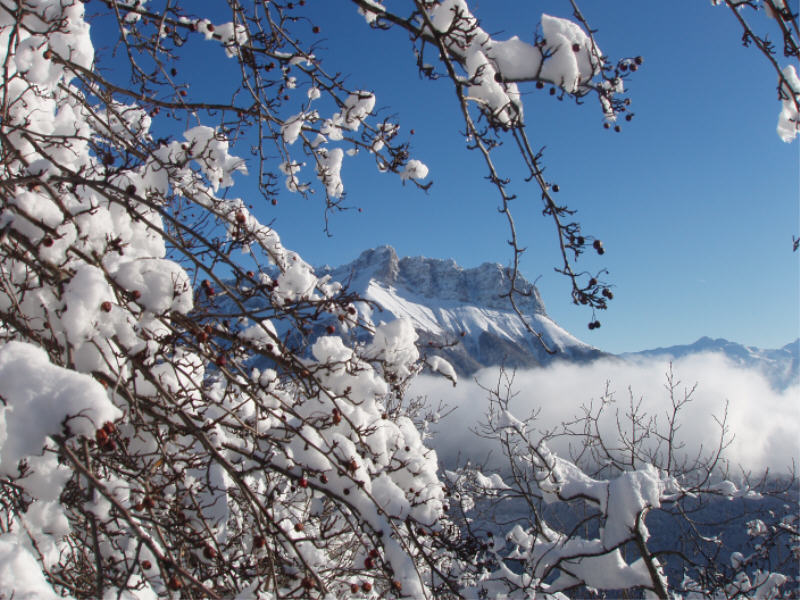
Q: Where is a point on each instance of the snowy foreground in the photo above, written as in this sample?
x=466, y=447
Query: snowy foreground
x=156, y=444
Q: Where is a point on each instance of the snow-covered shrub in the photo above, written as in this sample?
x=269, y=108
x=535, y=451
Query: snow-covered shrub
x=630, y=514
x=157, y=436
x=142, y=452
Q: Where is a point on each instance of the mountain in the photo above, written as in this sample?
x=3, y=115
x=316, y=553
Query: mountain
x=461, y=309
x=461, y=314
x=780, y=366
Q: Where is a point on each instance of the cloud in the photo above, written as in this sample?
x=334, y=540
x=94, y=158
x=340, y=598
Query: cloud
x=764, y=422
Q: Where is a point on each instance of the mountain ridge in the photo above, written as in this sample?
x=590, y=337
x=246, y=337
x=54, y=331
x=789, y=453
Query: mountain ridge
x=448, y=303
x=781, y=366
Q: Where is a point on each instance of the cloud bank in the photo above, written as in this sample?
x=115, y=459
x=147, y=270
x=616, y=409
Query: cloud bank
x=764, y=422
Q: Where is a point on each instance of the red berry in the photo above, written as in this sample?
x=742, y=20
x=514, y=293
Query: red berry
x=47, y=241
x=353, y=588
x=47, y=54
x=298, y=527
x=576, y=48
x=259, y=541
x=209, y=552
x=146, y=565
x=148, y=502
x=175, y=583
x=315, y=29
x=369, y=563
x=106, y=306
x=366, y=586
x=374, y=553
x=323, y=478
x=240, y=218
x=136, y=294
x=182, y=93
x=303, y=482
x=221, y=360
x=330, y=329
x=210, y=27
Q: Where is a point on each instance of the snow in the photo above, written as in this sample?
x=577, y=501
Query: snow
x=292, y=127
x=788, y=119
x=414, y=170
x=568, y=67
x=439, y=317
x=568, y=58
x=42, y=399
x=329, y=166
x=20, y=572
x=440, y=365
x=210, y=151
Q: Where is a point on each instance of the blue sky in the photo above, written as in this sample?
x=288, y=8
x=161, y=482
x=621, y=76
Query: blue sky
x=696, y=200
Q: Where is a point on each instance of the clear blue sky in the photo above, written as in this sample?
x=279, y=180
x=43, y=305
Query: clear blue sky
x=696, y=200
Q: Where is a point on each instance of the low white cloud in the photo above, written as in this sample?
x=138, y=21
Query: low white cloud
x=764, y=422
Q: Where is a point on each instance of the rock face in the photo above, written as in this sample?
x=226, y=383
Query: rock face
x=438, y=279
x=462, y=309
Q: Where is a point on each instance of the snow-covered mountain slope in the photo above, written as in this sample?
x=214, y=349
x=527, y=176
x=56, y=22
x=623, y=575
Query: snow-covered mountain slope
x=780, y=366
x=462, y=309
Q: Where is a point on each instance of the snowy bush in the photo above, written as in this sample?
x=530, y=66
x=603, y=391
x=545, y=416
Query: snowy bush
x=159, y=437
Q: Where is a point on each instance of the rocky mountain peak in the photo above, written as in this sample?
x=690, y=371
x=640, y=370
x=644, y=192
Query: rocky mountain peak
x=439, y=279
x=380, y=264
